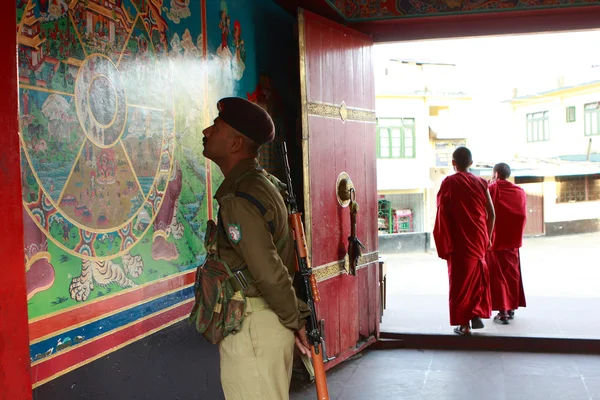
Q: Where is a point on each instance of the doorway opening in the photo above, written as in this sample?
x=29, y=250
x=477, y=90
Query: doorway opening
x=531, y=101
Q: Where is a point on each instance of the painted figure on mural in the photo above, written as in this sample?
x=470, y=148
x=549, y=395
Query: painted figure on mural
x=233, y=63
x=166, y=223
x=239, y=61
x=29, y=185
x=176, y=49
x=106, y=167
x=157, y=25
x=224, y=22
x=40, y=273
x=265, y=96
x=56, y=9
x=25, y=103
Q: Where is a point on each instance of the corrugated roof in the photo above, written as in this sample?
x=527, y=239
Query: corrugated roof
x=541, y=167
x=595, y=157
x=552, y=91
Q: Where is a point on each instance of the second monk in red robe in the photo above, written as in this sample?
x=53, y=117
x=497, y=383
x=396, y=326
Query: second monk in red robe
x=504, y=260
x=463, y=227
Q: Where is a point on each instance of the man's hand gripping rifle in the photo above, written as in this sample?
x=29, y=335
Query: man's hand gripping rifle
x=315, y=338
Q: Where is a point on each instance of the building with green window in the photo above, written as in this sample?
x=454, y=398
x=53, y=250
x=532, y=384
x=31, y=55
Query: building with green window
x=557, y=135
x=422, y=116
x=558, y=122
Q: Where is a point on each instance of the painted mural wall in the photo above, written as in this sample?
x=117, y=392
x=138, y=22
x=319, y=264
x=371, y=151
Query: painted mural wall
x=113, y=98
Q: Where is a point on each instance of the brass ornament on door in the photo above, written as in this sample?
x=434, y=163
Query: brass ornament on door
x=344, y=187
x=343, y=111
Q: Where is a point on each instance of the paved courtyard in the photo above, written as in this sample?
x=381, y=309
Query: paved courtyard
x=561, y=276
x=458, y=375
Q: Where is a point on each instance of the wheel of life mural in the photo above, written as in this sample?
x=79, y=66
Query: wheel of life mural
x=97, y=130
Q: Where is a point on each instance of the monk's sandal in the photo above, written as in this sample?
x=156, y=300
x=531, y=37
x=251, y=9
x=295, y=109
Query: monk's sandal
x=501, y=319
x=462, y=330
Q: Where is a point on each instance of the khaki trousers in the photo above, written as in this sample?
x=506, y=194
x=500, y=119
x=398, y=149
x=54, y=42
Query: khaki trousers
x=256, y=363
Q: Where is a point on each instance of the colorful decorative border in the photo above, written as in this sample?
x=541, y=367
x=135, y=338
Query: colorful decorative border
x=56, y=344
x=53, y=324
x=68, y=361
x=67, y=340
x=373, y=10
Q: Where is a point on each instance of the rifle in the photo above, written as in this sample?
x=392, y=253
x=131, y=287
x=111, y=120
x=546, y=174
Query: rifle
x=315, y=337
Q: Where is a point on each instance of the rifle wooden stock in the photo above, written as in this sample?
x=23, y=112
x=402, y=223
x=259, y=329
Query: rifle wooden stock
x=302, y=252
x=320, y=377
x=312, y=293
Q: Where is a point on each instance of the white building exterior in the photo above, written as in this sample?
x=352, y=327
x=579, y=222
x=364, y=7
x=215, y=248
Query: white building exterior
x=423, y=116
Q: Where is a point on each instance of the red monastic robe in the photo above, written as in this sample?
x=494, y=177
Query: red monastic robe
x=504, y=260
x=461, y=238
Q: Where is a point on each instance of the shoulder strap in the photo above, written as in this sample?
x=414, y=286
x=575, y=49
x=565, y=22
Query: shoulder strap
x=254, y=201
x=220, y=226
x=261, y=208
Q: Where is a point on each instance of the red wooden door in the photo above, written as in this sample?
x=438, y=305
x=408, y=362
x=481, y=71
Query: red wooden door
x=535, y=209
x=338, y=103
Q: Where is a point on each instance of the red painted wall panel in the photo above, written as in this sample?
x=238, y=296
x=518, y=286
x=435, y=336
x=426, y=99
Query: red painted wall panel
x=369, y=93
x=373, y=298
x=348, y=306
x=314, y=62
x=338, y=59
x=15, y=381
x=363, y=302
x=323, y=176
x=328, y=310
x=327, y=48
x=337, y=65
x=343, y=138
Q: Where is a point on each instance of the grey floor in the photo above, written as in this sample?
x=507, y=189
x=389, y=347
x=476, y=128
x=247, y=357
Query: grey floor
x=562, y=283
x=450, y=375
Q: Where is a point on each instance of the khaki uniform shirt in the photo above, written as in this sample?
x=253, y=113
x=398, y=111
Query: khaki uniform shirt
x=248, y=241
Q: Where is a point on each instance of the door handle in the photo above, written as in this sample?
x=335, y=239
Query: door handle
x=355, y=247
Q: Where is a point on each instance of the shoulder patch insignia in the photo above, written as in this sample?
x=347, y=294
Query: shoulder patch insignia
x=234, y=231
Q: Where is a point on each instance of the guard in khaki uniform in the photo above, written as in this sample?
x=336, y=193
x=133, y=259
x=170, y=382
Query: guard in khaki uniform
x=255, y=241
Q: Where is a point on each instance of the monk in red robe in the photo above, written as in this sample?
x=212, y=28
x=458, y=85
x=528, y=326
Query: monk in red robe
x=503, y=259
x=463, y=227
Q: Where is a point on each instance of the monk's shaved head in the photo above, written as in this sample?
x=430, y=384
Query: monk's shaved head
x=462, y=158
x=503, y=170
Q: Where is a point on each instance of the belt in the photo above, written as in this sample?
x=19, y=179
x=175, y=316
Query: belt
x=255, y=304
x=241, y=279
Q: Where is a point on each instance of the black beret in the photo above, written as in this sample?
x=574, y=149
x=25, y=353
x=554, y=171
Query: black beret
x=247, y=118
